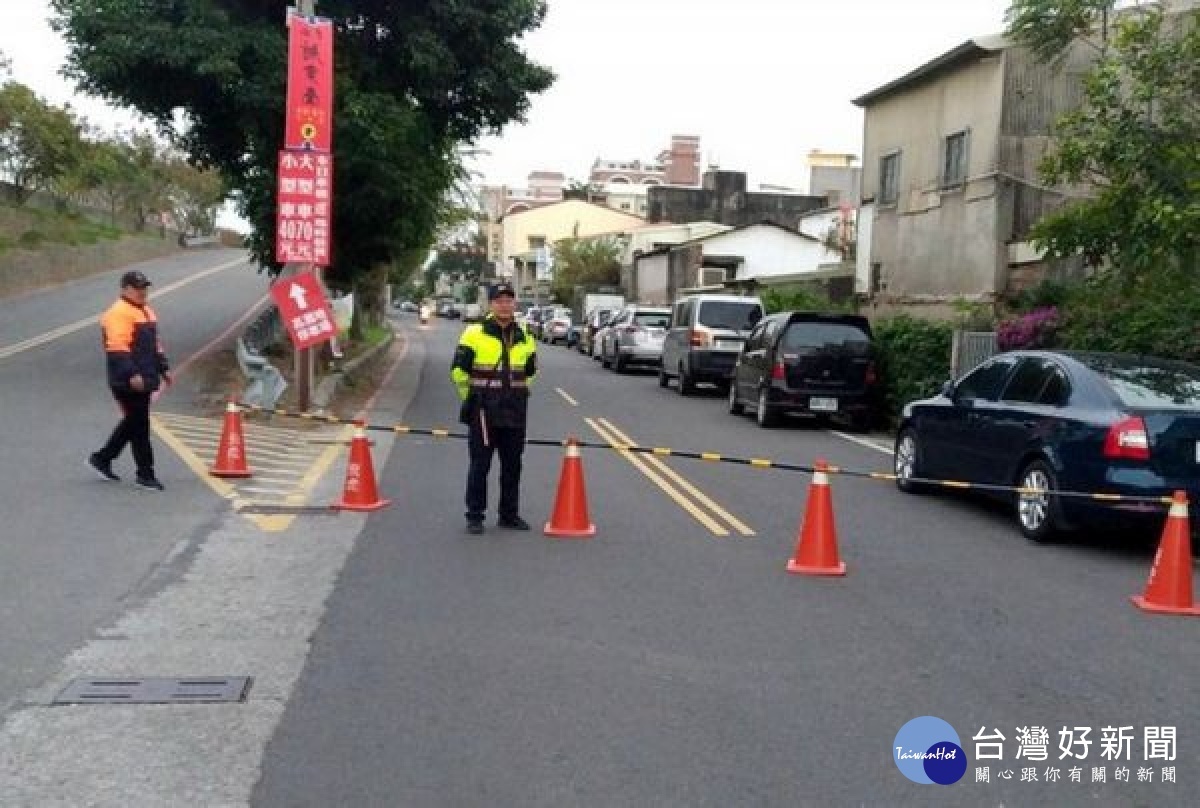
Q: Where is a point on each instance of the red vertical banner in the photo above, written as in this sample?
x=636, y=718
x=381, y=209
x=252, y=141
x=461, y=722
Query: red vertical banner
x=310, y=84
x=303, y=208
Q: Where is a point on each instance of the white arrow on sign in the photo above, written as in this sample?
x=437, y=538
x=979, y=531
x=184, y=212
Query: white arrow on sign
x=298, y=296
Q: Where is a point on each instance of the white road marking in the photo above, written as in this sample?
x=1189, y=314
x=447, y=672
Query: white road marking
x=79, y=325
x=869, y=444
x=563, y=393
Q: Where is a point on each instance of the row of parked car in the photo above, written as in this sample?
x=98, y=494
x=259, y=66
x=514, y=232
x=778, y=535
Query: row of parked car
x=1021, y=426
x=804, y=363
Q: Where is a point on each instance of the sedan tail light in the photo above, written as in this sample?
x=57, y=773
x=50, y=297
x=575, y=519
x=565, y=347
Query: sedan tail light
x=632, y=329
x=699, y=339
x=1127, y=439
x=871, y=377
x=778, y=372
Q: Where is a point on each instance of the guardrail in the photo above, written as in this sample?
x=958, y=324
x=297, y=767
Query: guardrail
x=264, y=382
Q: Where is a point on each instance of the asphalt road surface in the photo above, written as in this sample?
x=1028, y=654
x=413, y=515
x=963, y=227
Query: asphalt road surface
x=672, y=661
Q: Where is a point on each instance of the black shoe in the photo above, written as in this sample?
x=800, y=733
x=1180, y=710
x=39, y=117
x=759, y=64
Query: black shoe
x=149, y=481
x=102, y=468
x=475, y=528
x=512, y=523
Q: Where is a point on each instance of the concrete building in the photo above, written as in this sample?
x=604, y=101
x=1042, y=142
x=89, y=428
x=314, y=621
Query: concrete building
x=677, y=165
x=837, y=177
x=746, y=257
x=723, y=198
x=950, y=185
x=527, y=236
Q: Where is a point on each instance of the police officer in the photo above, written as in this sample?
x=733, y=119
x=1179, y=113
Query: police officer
x=494, y=366
x=137, y=367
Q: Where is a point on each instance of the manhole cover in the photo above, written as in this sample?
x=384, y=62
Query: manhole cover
x=156, y=690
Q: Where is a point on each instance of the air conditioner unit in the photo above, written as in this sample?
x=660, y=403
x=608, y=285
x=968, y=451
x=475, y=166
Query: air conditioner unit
x=712, y=276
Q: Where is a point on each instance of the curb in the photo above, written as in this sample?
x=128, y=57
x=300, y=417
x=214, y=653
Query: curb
x=327, y=388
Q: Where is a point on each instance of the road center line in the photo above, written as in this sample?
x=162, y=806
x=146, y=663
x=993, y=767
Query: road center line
x=563, y=393
x=79, y=325
x=679, y=480
x=700, y=516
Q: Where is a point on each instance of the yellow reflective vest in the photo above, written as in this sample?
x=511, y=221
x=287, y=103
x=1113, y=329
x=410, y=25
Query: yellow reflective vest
x=491, y=377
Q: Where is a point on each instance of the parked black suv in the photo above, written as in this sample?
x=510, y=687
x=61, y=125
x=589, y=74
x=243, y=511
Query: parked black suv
x=807, y=362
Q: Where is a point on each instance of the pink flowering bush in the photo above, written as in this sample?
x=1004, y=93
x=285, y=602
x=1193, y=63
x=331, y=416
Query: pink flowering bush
x=1035, y=329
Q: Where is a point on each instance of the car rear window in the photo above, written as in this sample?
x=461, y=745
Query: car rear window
x=652, y=319
x=729, y=314
x=1168, y=386
x=800, y=337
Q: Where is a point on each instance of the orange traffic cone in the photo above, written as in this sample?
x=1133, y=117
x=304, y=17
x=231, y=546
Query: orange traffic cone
x=570, y=518
x=231, y=451
x=360, y=493
x=1169, y=588
x=816, y=549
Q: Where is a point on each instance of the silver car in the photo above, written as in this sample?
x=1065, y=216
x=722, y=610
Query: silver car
x=635, y=337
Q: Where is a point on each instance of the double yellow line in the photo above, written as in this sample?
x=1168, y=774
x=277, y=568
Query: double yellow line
x=671, y=483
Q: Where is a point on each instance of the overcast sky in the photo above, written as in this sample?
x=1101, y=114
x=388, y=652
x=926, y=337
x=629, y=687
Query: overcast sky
x=760, y=81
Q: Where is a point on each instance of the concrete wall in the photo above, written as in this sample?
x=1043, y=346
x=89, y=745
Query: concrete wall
x=932, y=244
x=767, y=251
x=650, y=280
x=724, y=199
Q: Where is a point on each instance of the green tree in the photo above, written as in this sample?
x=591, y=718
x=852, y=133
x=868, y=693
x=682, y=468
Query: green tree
x=1135, y=142
x=1048, y=27
x=38, y=142
x=414, y=81
x=585, y=262
x=196, y=196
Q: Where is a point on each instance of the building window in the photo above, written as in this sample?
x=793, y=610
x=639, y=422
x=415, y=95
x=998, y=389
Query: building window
x=624, y=206
x=889, y=179
x=537, y=242
x=954, y=160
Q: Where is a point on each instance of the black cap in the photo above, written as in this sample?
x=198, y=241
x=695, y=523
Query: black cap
x=499, y=289
x=135, y=279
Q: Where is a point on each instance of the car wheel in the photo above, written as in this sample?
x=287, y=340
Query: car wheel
x=765, y=416
x=618, y=364
x=686, y=386
x=735, y=406
x=604, y=362
x=663, y=378
x=1037, y=511
x=906, y=463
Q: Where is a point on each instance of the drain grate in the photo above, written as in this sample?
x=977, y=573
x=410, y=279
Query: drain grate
x=156, y=690
x=301, y=510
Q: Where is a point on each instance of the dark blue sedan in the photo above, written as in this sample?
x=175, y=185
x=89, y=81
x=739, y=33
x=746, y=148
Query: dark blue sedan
x=1047, y=420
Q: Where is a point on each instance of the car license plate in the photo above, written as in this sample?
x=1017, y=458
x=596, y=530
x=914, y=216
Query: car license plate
x=1198, y=451
x=823, y=404
x=731, y=345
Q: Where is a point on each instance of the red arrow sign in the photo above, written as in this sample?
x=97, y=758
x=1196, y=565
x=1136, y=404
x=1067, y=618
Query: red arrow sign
x=304, y=309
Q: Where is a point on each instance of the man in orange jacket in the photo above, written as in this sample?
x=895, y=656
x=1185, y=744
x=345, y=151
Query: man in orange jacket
x=137, y=367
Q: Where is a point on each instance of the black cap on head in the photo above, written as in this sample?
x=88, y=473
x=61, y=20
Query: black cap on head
x=135, y=279
x=500, y=289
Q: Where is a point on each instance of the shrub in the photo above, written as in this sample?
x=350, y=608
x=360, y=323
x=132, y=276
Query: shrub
x=914, y=358
x=798, y=298
x=1035, y=329
x=31, y=239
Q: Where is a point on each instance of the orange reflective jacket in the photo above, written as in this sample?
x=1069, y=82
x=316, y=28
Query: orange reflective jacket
x=132, y=346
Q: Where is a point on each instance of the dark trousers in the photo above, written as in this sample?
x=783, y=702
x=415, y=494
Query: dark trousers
x=509, y=442
x=133, y=429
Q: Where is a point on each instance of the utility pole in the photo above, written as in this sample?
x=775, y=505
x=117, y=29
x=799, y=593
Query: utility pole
x=303, y=358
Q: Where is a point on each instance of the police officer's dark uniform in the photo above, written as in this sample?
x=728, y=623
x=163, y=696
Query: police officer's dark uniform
x=494, y=367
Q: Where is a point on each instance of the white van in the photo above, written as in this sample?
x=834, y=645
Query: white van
x=704, y=338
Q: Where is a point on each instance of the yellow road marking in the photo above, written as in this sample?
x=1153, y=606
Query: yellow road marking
x=570, y=400
x=700, y=516
x=293, y=495
x=94, y=320
x=699, y=495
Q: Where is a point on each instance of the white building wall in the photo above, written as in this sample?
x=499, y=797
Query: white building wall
x=652, y=280
x=768, y=250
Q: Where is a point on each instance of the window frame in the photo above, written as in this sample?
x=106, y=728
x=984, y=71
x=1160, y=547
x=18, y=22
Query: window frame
x=959, y=178
x=894, y=159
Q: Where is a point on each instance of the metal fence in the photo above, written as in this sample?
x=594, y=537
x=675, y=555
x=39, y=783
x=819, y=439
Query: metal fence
x=969, y=349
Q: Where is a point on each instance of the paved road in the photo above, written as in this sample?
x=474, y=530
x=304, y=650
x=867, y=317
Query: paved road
x=76, y=551
x=665, y=664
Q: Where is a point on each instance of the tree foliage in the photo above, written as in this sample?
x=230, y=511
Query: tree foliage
x=1135, y=142
x=413, y=82
x=585, y=262
x=38, y=142
x=1047, y=27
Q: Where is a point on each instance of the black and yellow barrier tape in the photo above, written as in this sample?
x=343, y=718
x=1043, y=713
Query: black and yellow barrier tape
x=715, y=457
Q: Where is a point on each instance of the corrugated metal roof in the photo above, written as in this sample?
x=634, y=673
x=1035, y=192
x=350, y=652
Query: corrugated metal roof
x=972, y=48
